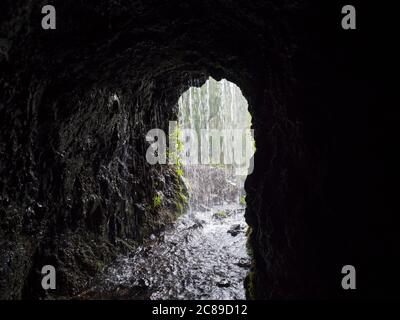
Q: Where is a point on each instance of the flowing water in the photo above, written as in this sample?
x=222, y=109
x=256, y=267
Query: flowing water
x=203, y=254
x=195, y=259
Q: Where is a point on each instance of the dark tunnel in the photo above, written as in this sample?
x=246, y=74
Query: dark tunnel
x=76, y=103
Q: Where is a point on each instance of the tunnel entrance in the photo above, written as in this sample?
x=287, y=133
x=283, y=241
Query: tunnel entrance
x=216, y=144
x=203, y=254
x=217, y=147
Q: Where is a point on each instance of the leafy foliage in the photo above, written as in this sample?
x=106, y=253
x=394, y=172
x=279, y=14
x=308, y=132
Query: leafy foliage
x=156, y=201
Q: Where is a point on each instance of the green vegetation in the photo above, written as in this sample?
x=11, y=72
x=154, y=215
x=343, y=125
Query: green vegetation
x=248, y=285
x=173, y=155
x=242, y=200
x=249, y=280
x=220, y=214
x=249, y=249
x=179, y=172
x=179, y=208
x=182, y=198
x=99, y=265
x=156, y=201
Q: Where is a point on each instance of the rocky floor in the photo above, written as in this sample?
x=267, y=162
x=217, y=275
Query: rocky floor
x=203, y=256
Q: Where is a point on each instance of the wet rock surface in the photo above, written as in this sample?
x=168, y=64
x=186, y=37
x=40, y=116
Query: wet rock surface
x=185, y=262
x=75, y=191
x=235, y=229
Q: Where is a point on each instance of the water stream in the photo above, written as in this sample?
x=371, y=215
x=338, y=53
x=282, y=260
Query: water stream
x=197, y=258
x=203, y=254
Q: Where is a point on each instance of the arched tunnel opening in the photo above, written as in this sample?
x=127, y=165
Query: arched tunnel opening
x=204, y=253
x=216, y=124
x=77, y=102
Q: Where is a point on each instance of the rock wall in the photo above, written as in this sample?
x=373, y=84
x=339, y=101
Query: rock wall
x=76, y=190
x=75, y=104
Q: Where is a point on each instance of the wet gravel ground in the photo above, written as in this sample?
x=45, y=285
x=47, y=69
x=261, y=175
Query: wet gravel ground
x=202, y=256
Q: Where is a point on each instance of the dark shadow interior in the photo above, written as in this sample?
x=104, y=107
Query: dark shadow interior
x=77, y=102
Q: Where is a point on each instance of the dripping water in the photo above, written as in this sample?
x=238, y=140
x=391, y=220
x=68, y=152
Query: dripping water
x=203, y=255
